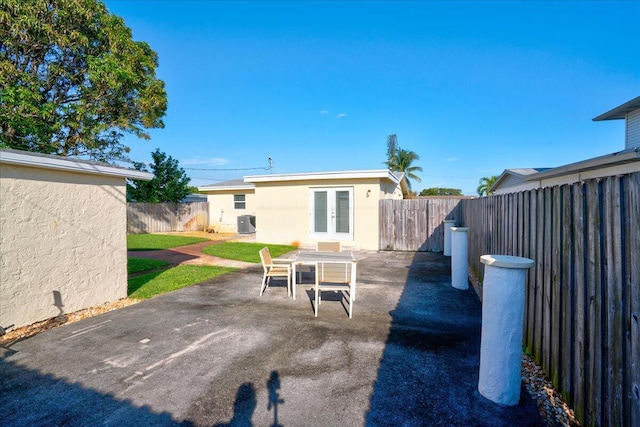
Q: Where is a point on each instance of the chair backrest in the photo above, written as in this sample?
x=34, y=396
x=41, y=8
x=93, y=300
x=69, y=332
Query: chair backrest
x=333, y=272
x=265, y=257
x=328, y=246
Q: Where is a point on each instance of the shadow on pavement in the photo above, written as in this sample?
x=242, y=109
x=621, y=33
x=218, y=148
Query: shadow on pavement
x=428, y=373
x=56, y=402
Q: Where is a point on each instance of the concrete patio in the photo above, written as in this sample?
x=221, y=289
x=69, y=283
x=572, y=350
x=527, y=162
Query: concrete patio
x=217, y=354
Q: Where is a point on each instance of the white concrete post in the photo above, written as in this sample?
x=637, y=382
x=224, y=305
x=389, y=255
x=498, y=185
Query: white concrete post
x=448, y=223
x=502, y=323
x=459, y=257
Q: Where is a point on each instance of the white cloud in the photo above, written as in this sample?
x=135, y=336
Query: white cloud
x=341, y=115
x=451, y=159
x=324, y=112
x=209, y=161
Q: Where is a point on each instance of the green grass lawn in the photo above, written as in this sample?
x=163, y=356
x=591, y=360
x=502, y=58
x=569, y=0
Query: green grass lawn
x=247, y=252
x=160, y=282
x=136, y=265
x=150, y=242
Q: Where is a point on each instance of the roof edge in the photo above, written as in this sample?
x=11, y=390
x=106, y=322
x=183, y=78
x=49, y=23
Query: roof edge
x=620, y=111
x=68, y=164
x=620, y=157
x=374, y=173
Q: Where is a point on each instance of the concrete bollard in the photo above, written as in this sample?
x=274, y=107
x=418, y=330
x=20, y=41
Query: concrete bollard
x=502, y=319
x=459, y=257
x=448, y=223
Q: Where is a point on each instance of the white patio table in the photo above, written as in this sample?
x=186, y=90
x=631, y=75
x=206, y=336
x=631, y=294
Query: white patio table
x=313, y=257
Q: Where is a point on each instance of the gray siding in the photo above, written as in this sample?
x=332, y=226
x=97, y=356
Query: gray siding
x=512, y=181
x=633, y=130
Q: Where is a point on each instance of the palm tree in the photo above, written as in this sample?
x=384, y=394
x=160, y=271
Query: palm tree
x=485, y=185
x=402, y=161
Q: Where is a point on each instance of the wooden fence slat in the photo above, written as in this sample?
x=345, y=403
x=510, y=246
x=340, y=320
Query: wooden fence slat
x=567, y=295
x=546, y=240
x=556, y=314
x=633, y=283
x=594, y=355
x=578, y=403
x=614, y=305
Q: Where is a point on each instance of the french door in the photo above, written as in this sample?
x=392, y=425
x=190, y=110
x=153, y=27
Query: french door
x=331, y=213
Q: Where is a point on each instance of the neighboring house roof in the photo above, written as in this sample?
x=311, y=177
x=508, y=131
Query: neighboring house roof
x=614, y=159
x=233, y=184
x=514, y=177
x=621, y=111
x=194, y=198
x=69, y=164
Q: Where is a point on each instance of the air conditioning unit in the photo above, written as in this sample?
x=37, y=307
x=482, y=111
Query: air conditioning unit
x=246, y=224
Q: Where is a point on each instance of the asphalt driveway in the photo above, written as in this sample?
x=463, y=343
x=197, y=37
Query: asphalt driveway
x=217, y=354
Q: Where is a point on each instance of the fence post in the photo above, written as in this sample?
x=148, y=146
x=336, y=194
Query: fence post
x=502, y=323
x=448, y=223
x=459, y=257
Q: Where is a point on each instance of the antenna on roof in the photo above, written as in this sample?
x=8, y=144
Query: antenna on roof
x=270, y=165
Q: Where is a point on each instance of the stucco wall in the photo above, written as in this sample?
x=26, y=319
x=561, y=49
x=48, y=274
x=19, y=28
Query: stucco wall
x=283, y=211
x=223, y=216
x=62, y=242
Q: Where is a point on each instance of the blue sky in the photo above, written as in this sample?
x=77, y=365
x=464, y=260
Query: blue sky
x=471, y=87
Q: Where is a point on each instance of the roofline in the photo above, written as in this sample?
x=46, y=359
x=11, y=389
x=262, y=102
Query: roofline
x=227, y=187
x=620, y=112
x=621, y=157
x=513, y=172
x=68, y=164
x=375, y=173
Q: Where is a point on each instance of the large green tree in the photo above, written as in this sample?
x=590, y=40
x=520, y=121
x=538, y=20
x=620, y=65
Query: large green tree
x=72, y=80
x=401, y=160
x=485, y=184
x=170, y=183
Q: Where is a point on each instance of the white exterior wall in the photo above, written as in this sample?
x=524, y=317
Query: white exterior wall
x=223, y=216
x=596, y=173
x=633, y=130
x=62, y=242
x=514, y=189
x=283, y=216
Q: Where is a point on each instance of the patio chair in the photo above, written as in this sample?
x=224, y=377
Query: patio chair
x=274, y=268
x=334, y=277
x=328, y=246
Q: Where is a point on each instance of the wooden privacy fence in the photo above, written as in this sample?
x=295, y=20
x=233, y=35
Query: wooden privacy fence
x=164, y=217
x=582, y=313
x=416, y=224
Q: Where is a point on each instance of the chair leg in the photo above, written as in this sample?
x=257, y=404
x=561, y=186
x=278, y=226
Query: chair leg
x=264, y=284
x=315, y=306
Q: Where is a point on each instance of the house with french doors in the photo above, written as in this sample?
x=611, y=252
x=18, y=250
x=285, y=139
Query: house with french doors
x=304, y=208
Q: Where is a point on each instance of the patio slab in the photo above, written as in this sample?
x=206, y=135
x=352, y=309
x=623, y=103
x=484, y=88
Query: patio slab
x=218, y=354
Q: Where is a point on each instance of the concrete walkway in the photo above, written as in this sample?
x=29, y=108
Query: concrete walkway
x=189, y=255
x=217, y=354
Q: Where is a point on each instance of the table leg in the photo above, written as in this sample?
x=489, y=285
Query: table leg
x=294, y=281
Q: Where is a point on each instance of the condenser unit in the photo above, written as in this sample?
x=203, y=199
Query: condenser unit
x=246, y=224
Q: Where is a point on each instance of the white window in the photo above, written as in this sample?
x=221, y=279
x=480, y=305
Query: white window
x=239, y=201
x=331, y=213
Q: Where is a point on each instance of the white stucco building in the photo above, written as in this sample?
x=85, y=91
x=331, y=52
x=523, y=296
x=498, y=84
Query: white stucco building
x=63, y=240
